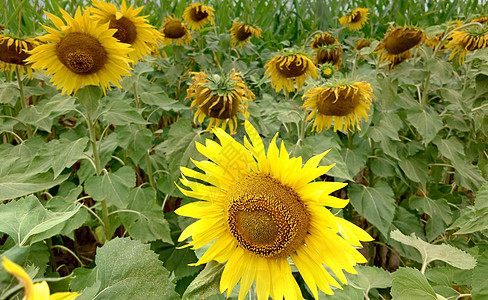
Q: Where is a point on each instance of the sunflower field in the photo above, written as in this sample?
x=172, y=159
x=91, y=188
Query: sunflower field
x=244, y=149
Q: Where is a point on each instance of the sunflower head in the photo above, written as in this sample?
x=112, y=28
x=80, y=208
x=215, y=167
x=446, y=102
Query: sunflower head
x=397, y=42
x=356, y=19
x=344, y=103
x=197, y=15
x=329, y=54
x=175, y=32
x=219, y=97
x=288, y=68
x=241, y=33
x=14, y=52
x=323, y=39
x=482, y=20
x=467, y=40
x=362, y=43
x=131, y=29
x=327, y=70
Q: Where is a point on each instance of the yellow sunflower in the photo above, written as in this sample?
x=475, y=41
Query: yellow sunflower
x=197, y=15
x=241, y=33
x=260, y=209
x=175, y=32
x=219, y=97
x=482, y=20
x=356, y=19
x=396, y=42
x=131, y=29
x=467, y=40
x=323, y=39
x=289, y=68
x=34, y=291
x=81, y=52
x=13, y=53
x=345, y=104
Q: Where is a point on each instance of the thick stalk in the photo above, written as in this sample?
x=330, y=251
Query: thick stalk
x=22, y=98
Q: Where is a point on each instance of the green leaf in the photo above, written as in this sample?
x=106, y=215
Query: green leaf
x=112, y=187
x=89, y=96
x=127, y=269
x=9, y=93
x=376, y=204
x=83, y=278
x=355, y=159
x=439, y=212
x=348, y=292
x=427, y=123
x=18, y=185
x=446, y=253
x=121, y=113
x=474, y=218
x=415, y=167
x=479, y=282
x=206, y=284
x=370, y=278
x=27, y=221
x=385, y=134
x=409, y=283
x=135, y=140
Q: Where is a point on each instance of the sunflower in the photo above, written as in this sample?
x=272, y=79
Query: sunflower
x=34, y=291
x=356, y=19
x=220, y=98
x=13, y=53
x=362, y=43
x=81, y=53
x=345, y=104
x=329, y=54
x=175, y=32
x=197, y=15
x=464, y=41
x=131, y=29
x=261, y=209
x=396, y=42
x=482, y=20
x=288, y=68
x=323, y=39
x=241, y=33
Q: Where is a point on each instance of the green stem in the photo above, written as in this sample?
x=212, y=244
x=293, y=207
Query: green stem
x=22, y=98
x=52, y=261
x=371, y=174
x=354, y=65
x=349, y=140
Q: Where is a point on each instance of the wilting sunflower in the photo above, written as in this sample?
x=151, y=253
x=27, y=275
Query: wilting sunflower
x=345, y=104
x=175, y=32
x=80, y=53
x=131, y=29
x=396, y=42
x=288, y=68
x=219, y=97
x=329, y=54
x=362, y=43
x=34, y=291
x=482, y=20
x=197, y=15
x=323, y=39
x=241, y=33
x=262, y=208
x=13, y=53
x=467, y=40
x=356, y=19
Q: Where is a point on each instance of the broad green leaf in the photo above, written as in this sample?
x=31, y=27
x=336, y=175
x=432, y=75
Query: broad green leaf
x=450, y=148
x=439, y=212
x=415, y=167
x=89, y=96
x=206, y=284
x=446, y=253
x=467, y=175
x=121, y=113
x=135, y=140
x=370, y=278
x=479, y=282
x=83, y=278
x=27, y=221
x=112, y=187
x=474, y=218
x=386, y=135
x=9, y=93
x=376, y=204
x=427, y=123
x=18, y=185
x=348, y=292
x=355, y=159
x=409, y=283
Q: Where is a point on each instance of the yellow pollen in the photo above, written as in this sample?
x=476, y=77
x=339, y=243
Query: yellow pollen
x=81, y=53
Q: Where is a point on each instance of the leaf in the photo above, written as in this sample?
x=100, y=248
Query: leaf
x=121, y=113
x=355, y=159
x=27, y=221
x=376, y=204
x=127, y=269
x=112, y=187
x=89, y=96
x=474, y=218
x=347, y=292
x=450, y=148
x=439, y=212
x=446, y=253
x=17, y=185
x=370, y=278
x=479, y=282
x=385, y=135
x=135, y=140
x=83, y=278
x=415, y=167
x=206, y=284
x=427, y=123
x=409, y=283
x=9, y=93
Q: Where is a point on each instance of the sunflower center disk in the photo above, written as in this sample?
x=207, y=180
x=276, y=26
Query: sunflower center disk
x=332, y=55
x=198, y=15
x=215, y=106
x=292, y=68
x=10, y=55
x=340, y=103
x=126, y=30
x=242, y=33
x=402, y=39
x=81, y=53
x=266, y=217
x=174, y=30
x=356, y=18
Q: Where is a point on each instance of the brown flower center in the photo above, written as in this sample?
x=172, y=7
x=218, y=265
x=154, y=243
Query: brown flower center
x=197, y=15
x=339, y=101
x=362, y=43
x=323, y=40
x=126, y=30
x=174, y=29
x=242, y=33
x=215, y=106
x=81, y=53
x=332, y=55
x=292, y=67
x=11, y=55
x=266, y=217
x=402, y=39
x=356, y=17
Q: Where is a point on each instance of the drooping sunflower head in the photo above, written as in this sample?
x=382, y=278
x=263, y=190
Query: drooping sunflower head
x=323, y=39
x=242, y=33
x=396, y=42
x=131, y=29
x=344, y=103
x=362, y=43
x=289, y=68
x=260, y=208
x=81, y=52
x=197, y=15
x=467, y=40
x=356, y=19
x=14, y=52
x=327, y=70
x=219, y=97
x=329, y=54
x=482, y=20
x=175, y=32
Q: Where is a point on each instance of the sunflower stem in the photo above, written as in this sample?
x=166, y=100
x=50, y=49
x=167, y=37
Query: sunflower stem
x=354, y=65
x=349, y=140
x=22, y=99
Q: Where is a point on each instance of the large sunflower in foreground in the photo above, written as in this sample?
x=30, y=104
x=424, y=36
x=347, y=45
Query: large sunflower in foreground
x=13, y=53
x=175, y=32
x=197, y=15
x=288, y=68
x=219, y=97
x=260, y=209
x=131, y=29
x=81, y=52
x=344, y=104
x=467, y=40
x=356, y=19
x=241, y=33
x=396, y=42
